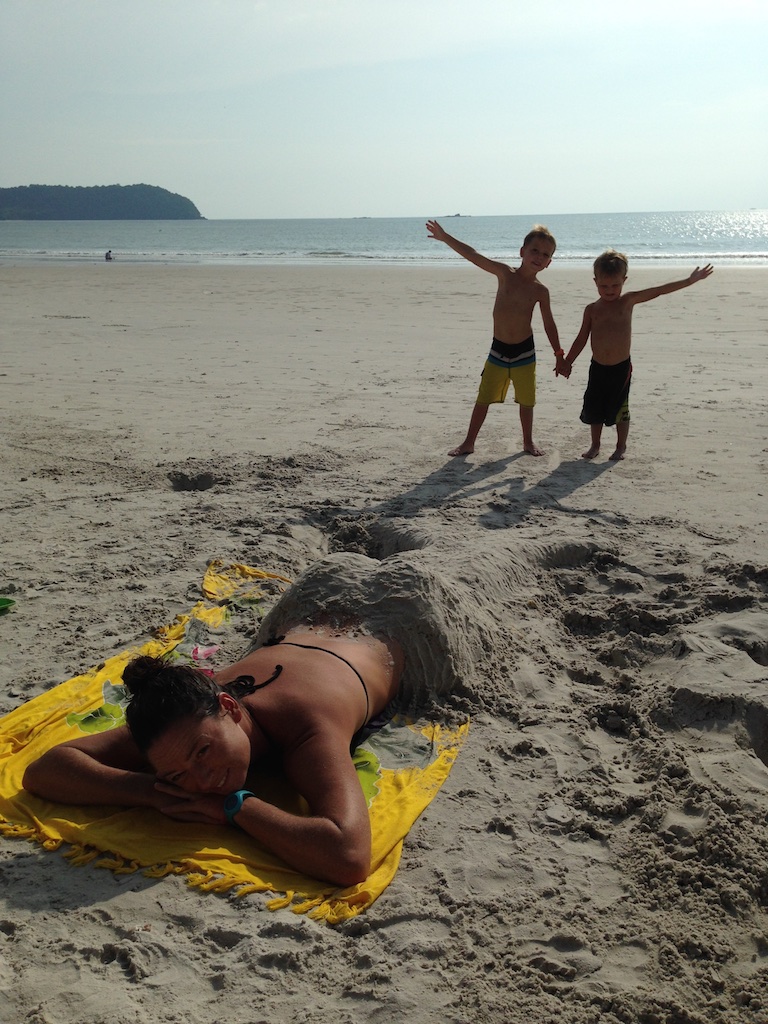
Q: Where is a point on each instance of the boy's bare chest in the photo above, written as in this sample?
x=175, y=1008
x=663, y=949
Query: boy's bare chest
x=515, y=298
x=611, y=318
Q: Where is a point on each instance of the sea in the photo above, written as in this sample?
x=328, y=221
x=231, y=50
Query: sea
x=735, y=238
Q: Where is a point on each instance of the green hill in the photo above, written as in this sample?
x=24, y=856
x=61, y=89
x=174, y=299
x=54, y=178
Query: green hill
x=97, y=202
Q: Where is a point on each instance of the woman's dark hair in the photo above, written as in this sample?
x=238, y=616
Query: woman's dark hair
x=163, y=693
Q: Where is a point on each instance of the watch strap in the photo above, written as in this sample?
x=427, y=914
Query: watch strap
x=234, y=802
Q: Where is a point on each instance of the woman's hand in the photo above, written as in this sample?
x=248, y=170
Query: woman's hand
x=184, y=806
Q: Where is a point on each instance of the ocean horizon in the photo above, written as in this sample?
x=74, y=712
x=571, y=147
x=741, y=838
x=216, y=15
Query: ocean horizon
x=735, y=238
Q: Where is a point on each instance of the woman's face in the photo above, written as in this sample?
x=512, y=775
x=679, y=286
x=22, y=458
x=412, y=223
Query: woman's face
x=208, y=755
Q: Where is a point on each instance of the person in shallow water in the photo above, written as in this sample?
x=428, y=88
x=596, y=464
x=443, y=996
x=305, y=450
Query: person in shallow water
x=191, y=741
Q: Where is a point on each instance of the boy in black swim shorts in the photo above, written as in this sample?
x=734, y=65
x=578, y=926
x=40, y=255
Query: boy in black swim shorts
x=608, y=324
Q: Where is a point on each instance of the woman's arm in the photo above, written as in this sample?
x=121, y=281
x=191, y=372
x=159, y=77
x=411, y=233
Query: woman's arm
x=106, y=768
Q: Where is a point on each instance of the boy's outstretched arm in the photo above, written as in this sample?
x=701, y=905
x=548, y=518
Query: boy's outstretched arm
x=646, y=294
x=492, y=266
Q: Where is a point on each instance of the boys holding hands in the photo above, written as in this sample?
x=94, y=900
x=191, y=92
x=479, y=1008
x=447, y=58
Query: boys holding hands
x=512, y=356
x=608, y=323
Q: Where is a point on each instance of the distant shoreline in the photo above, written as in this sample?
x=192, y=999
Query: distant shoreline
x=94, y=202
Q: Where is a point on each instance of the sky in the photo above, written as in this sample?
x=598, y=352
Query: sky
x=379, y=108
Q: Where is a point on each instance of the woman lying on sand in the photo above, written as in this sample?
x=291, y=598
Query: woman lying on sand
x=191, y=741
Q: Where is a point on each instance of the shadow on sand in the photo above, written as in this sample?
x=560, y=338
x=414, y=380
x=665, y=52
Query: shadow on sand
x=510, y=497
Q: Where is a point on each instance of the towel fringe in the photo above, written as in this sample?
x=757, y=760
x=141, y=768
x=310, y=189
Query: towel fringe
x=332, y=911
x=281, y=902
x=14, y=830
x=162, y=870
x=119, y=865
x=80, y=855
x=322, y=908
x=210, y=881
x=248, y=888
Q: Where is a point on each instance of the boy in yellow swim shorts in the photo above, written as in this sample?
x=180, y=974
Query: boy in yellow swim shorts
x=512, y=357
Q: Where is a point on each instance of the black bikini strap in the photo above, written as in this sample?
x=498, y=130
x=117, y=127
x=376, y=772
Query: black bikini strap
x=274, y=640
x=260, y=686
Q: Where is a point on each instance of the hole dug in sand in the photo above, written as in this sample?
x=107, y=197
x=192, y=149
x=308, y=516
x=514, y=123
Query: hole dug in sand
x=181, y=481
x=376, y=538
x=756, y=723
x=726, y=705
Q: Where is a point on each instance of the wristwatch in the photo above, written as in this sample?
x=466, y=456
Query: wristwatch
x=234, y=802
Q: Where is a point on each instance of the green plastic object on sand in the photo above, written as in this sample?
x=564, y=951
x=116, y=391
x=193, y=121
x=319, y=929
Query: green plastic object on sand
x=6, y=603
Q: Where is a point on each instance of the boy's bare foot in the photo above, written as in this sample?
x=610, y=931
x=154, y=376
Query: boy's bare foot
x=463, y=449
x=531, y=448
x=618, y=454
x=591, y=452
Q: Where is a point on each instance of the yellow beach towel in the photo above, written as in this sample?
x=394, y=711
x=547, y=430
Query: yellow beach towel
x=401, y=767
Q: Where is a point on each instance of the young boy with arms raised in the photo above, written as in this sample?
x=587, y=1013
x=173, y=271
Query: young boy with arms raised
x=512, y=356
x=608, y=323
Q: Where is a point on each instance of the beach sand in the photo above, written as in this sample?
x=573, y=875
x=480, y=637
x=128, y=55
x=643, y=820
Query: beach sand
x=599, y=851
